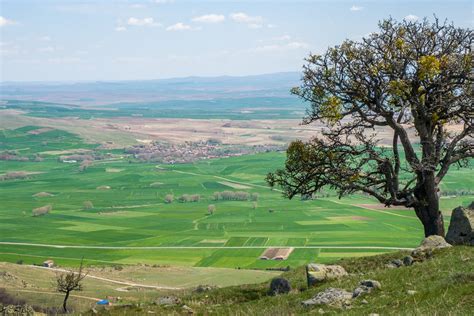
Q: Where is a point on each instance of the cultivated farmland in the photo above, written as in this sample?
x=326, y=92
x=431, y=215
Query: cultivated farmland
x=130, y=223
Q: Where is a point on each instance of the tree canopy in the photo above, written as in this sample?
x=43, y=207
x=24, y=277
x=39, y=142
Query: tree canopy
x=407, y=76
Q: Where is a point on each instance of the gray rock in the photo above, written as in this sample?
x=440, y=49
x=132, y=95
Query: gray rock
x=371, y=283
x=411, y=292
x=204, y=288
x=330, y=296
x=397, y=262
x=168, y=301
x=461, y=227
x=365, y=287
x=279, y=286
x=317, y=273
x=429, y=244
x=364, y=302
x=188, y=309
x=408, y=260
x=390, y=266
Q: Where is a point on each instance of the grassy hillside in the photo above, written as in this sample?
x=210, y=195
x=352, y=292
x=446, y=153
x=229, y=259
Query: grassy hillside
x=443, y=285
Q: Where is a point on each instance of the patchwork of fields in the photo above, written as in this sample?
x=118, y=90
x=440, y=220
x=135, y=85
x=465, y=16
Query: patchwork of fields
x=130, y=223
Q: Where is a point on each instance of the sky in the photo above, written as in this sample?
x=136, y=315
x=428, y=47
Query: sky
x=95, y=40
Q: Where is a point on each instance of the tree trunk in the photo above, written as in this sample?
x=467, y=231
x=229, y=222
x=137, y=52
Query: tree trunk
x=433, y=222
x=65, y=302
x=427, y=206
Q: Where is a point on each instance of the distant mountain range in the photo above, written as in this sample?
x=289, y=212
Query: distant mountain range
x=276, y=85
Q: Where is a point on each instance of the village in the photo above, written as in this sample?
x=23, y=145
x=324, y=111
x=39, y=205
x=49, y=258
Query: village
x=188, y=151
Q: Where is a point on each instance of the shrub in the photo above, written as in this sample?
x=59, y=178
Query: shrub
x=254, y=196
x=231, y=196
x=211, y=208
x=169, y=198
x=87, y=205
x=42, y=210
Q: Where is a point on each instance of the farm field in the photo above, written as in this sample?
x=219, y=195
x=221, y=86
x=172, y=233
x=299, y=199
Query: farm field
x=130, y=223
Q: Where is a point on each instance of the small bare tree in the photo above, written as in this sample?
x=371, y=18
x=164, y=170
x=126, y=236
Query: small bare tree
x=70, y=281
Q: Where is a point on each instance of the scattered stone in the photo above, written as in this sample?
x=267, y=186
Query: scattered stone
x=408, y=260
x=23, y=310
x=397, y=262
x=168, y=301
x=461, y=226
x=279, y=286
x=365, y=287
x=321, y=311
x=316, y=273
x=204, y=288
x=390, y=266
x=364, y=301
x=332, y=297
x=374, y=314
x=188, y=309
x=429, y=244
x=411, y=292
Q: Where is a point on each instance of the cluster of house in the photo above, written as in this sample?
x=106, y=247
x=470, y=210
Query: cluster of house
x=192, y=151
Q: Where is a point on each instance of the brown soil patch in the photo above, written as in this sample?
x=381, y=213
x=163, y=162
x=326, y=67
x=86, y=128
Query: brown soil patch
x=40, y=130
x=276, y=253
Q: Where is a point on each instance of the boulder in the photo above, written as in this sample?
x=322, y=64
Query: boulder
x=330, y=296
x=429, y=244
x=168, y=301
x=365, y=287
x=397, y=262
x=204, y=288
x=279, y=286
x=408, y=260
x=316, y=273
x=461, y=227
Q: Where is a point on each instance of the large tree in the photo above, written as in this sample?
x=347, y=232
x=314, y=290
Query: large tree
x=412, y=79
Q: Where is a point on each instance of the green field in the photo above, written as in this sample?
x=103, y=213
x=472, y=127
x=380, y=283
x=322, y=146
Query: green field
x=130, y=223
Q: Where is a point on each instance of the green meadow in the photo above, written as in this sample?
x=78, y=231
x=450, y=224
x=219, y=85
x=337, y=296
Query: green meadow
x=130, y=223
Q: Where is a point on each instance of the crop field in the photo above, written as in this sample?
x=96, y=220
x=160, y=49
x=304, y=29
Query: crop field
x=129, y=222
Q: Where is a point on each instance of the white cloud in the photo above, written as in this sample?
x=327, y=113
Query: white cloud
x=411, y=18
x=120, y=28
x=142, y=22
x=137, y=6
x=44, y=38
x=163, y=1
x=242, y=17
x=209, y=18
x=271, y=26
x=180, y=27
x=356, y=8
x=5, y=21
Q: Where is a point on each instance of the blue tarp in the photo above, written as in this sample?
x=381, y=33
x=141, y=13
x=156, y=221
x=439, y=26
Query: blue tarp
x=103, y=302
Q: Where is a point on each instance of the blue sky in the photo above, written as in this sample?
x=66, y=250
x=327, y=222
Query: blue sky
x=52, y=40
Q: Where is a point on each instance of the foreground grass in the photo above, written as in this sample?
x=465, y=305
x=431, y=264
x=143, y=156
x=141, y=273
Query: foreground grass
x=444, y=285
